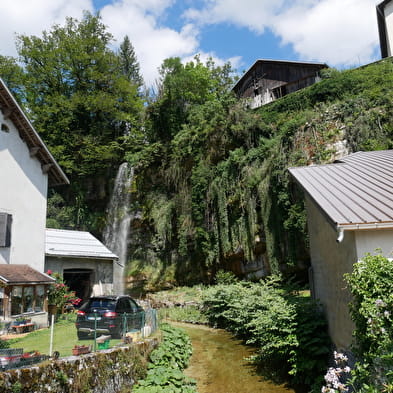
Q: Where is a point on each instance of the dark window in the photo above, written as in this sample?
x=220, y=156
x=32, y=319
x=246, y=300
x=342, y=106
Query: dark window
x=27, y=299
x=2, y=302
x=102, y=303
x=133, y=305
x=5, y=229
x=123, y=306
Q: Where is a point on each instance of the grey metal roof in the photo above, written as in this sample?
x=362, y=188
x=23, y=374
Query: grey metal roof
x=65, y=243
x=356, y=192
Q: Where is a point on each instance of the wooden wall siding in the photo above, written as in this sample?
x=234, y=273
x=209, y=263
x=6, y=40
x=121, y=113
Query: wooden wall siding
x=276, y=79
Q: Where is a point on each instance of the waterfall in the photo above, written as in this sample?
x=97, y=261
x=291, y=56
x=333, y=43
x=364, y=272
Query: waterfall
x=118, y=224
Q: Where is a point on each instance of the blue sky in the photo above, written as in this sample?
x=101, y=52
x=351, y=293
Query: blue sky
x=341, y=33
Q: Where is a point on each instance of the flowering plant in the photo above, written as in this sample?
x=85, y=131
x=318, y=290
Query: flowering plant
x=336, y=376
x=59, y=293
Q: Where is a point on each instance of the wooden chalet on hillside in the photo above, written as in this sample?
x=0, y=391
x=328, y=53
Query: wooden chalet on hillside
x=267, y=80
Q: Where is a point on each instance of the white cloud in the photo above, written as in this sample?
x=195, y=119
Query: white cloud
x=253, y=14
x=31, y=17
x=152, y=43
x=339, y=32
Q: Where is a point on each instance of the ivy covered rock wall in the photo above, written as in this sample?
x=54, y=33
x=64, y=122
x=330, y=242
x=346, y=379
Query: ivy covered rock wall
x=110, y=371
x=215, y=193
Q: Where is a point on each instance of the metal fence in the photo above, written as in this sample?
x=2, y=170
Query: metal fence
x=16, y=358
x=151, y=322
x=145, y=322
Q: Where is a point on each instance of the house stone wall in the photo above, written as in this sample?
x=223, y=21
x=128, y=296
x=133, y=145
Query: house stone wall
x=108, y=371
x=23, y=195
x=330, y=261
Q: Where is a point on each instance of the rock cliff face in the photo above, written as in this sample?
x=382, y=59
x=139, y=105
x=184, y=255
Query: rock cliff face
x=219, y=195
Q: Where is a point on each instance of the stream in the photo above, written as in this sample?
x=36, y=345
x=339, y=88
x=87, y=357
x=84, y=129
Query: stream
x=218, y=364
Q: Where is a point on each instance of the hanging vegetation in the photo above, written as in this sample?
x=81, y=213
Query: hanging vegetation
x=219, y=193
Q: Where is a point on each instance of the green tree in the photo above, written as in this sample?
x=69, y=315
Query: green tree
x=12, y=74
x=83, y=105
x=181, y=88
x=129, y=64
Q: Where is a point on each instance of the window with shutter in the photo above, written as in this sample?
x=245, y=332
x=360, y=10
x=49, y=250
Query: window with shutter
x=5, y=229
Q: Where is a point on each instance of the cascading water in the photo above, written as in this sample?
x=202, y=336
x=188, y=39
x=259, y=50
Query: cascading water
x=118, y=224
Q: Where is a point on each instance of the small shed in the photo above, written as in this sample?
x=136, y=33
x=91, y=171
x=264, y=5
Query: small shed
x=85, y=263
x=349, y=213
x=23, y=293
x=267, y=80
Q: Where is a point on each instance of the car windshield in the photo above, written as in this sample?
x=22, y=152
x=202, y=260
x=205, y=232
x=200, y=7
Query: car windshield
x=102, y=303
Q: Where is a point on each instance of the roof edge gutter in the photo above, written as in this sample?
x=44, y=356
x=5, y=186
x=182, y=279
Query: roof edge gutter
x=109, y=258
x=368, y=225
x=358, y=227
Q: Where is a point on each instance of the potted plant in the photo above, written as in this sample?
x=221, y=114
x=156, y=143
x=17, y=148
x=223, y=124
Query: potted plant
x=80, y=350
x=59, y=295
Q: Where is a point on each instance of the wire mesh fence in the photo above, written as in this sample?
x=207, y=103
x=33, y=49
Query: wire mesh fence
x=15, y=358
x=145, y=322
x=151, y=322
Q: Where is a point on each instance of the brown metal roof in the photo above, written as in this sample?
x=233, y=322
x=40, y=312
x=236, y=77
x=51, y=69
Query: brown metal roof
x=356, y=192
x=29, y=135
x=22, y=274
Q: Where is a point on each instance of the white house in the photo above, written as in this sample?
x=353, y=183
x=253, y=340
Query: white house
x=350, y=213
x=84, y=262
x=385, y=27
x=27, y=168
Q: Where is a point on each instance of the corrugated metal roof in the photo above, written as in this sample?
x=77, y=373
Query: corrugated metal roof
x=23, y=274
x=355, y=192
x=65, y=243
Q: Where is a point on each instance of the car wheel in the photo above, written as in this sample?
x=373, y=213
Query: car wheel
x=82, y=335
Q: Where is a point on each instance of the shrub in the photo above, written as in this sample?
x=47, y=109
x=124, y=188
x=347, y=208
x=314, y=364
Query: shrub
x=371, y=285
x=223, y=277
x=289, y=331
x=189, y=314
x=4, y=344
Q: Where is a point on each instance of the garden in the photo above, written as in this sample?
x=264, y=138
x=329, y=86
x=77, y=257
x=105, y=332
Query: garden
x=64, y=338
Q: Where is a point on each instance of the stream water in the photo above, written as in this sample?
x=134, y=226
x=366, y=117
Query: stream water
x=218, y=364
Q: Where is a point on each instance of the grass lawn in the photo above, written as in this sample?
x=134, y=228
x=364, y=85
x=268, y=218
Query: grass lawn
x=64, y=339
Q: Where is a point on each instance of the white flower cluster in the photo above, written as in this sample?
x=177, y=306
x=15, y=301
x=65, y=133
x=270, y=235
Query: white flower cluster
x=332, y=377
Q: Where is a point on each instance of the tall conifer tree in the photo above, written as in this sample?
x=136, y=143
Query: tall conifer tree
x=129, y=64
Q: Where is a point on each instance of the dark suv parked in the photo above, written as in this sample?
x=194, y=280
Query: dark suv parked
x=112, y=315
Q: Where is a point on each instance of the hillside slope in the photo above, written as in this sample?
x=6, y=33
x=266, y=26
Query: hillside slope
x=218, y=194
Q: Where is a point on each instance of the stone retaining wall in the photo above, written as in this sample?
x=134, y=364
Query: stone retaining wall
x=110, y=371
